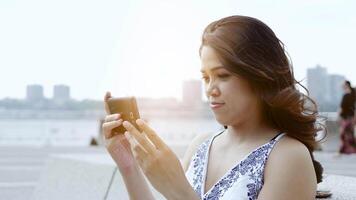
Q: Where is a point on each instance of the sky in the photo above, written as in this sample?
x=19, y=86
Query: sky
x=148, y=48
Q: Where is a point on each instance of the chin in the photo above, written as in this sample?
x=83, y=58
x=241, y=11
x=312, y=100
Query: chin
x=223, y=121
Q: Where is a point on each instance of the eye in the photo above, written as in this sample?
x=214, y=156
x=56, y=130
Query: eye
x=223, y=75
x=205, y=78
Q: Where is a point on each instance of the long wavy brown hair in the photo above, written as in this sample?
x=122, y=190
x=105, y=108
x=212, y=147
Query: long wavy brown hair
x=249, y=48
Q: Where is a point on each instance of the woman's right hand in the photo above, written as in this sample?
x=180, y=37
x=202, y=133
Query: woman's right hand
x=120, y=150
x=117, y=144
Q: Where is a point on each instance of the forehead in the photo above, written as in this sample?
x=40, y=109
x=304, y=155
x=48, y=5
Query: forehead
x=209, y=59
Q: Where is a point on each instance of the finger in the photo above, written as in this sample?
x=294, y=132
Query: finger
x=143, y=141
x=112, y=117
x=140, y=155
x=151, y=134
x=108, y=126
x=114, y=141
x=132, y=141
x=139, y=152
x=106, y=97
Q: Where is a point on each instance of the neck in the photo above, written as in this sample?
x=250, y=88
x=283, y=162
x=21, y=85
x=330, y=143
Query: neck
x=249, y=132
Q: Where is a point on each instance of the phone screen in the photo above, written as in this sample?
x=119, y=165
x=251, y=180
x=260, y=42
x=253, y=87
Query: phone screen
x=127, y=108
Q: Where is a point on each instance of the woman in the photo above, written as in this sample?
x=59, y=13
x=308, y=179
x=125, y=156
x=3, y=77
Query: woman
x=347, y=112
x=266, y=149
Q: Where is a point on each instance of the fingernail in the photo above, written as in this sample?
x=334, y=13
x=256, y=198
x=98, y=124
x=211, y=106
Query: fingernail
x=126, y=124
x=127, y=135
x=139, y=122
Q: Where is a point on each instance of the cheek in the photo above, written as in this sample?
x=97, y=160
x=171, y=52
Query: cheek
x=241, y=104
x=239, y=99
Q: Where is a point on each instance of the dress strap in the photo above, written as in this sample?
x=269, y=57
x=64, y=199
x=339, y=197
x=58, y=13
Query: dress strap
x=274, y=138
x=217, y=134
x=277, y=136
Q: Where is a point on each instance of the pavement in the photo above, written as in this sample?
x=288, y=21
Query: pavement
x=20, y=167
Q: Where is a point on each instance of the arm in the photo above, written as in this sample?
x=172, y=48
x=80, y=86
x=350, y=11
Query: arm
x=289, y=173
x=159, y=163
x=343, y=101
x=120, y=150
x=132, y=175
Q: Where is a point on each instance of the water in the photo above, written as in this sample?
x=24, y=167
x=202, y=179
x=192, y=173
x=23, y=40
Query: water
x=41, y=132
x=79, y=132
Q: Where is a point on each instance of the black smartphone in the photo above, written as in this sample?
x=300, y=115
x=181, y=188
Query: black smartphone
x=323, y=194
x=127, y=108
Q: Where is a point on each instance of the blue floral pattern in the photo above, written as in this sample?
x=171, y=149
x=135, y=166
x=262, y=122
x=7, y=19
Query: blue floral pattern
x=198, y=166
x=251, y=166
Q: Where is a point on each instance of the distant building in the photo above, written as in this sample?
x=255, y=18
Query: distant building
x=335, y=87
x=192, y=92
x=325, y=88
x=34, y=93
x=61, y=93
x=317, y=83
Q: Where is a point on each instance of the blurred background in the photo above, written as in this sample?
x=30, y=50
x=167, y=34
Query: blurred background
x=58, y=58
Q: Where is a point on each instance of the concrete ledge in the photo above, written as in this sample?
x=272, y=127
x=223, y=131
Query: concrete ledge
x=341, y=187
x=74, y=177
x=118, y=190
x=81, y=176
x=93, y=176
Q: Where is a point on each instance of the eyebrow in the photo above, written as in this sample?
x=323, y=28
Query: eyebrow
x=213, y=69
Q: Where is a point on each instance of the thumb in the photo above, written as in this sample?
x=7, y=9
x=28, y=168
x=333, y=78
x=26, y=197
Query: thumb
x=106, y=97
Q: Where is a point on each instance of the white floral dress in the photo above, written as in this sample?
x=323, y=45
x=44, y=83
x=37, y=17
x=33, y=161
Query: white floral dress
x=243, y=181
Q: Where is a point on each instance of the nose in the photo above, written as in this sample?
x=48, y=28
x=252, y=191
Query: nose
x=212, y=90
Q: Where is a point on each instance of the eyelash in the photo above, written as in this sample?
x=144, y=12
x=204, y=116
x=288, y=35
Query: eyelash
x=222, y=76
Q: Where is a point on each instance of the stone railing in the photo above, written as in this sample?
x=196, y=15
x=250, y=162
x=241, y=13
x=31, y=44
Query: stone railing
x=95, y=176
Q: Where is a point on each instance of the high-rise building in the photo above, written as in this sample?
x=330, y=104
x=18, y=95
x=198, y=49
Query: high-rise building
x=34, y=93
x=192, y=92
x=335, y=87
x=317, y=83
x=61, y=93
x=324, y=88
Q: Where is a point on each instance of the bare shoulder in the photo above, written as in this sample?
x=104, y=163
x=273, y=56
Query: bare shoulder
x=289, y=172
x=289, y=147
x=192, y=148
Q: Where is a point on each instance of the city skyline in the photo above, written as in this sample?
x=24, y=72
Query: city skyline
x=149, y=48
x=62, y=93
x=322, y=85
x=325, y=88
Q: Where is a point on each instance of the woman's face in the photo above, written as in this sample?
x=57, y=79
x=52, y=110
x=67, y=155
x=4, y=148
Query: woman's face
x=235, y=100
x=345, y=87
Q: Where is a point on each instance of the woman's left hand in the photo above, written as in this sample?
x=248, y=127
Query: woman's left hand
x=159, y=163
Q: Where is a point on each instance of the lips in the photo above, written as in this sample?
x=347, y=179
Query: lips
x=216, y=104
